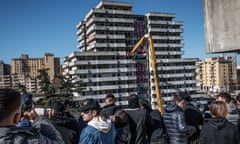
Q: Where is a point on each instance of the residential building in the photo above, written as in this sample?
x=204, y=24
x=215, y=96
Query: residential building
x=5, y=78
x=29, y=66
x=106, y=35
x=5, y=69
x=217, y=74
x=25, y=70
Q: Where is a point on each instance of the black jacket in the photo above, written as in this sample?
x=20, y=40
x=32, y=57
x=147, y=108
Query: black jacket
x=158, y=130
x=193, y=117
x=68, y=127
x=41, y=132
x=108, y=110
x=219, y=131
x=139, y=122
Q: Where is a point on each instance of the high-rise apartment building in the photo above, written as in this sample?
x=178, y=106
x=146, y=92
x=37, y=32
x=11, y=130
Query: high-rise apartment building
x=217, y=74
x=29, y=66
x=5, y=78
x=25, y=70
x=5, y=69
x=106, y=35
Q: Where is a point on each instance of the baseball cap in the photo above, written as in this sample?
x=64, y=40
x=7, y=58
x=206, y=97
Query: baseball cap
x=89, y=104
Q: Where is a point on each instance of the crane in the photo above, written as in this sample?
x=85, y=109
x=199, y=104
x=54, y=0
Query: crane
x=153, y=65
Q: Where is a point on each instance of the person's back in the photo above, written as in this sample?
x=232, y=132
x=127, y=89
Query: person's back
x=233, y=114
x=158, y=130
x=139, y=121
x=41, y=130
x=218, y=129
x=67, y=126
x=193, y=117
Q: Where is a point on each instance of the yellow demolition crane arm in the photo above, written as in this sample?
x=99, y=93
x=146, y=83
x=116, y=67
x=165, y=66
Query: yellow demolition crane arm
x=153, y=65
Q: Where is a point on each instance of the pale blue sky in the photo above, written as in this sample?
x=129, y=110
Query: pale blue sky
x=37, y=26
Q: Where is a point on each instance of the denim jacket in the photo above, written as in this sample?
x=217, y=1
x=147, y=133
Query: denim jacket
x=98, y=132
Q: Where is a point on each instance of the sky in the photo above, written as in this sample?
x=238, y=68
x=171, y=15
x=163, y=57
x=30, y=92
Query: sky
x=35, y=27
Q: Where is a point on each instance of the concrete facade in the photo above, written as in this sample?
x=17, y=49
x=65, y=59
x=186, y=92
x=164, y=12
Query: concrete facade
x=105, y=36
x=217, y=74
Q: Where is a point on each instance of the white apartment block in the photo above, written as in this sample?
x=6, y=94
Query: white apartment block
x=105, y=36
x=176, y=75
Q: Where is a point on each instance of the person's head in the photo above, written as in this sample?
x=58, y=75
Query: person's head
x=57, y=106
x=225, y=97
x=110, y=99
x=133, y=101
x=56, y=109
x=218, y=109
x=89, y=109
x=66, y=104
x=143, y=103
x=10, y=107
x=120, y=119
x=179, y=100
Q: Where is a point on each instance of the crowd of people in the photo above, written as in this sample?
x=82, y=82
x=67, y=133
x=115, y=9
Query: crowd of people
x=180, y=123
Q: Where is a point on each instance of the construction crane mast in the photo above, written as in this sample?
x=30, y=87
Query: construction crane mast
x=153, y=65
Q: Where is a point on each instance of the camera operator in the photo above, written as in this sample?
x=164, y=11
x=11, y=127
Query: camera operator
x=42, y=131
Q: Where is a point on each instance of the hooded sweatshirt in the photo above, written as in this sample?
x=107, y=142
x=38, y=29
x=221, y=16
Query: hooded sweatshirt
x=98, y=131
x=220, y=131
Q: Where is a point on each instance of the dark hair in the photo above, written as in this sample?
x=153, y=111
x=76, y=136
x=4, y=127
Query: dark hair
x=58, y=106
x=133, y=101
x=66, y=102
x=10, y=101
x=111, y=97
x=178, y=98
x=225, y=96
x=120, y=118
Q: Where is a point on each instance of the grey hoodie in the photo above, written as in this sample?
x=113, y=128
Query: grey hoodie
x=41, y=132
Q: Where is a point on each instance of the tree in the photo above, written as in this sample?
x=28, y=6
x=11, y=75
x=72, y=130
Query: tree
x=45, y=85
x=22, y=88
x=67, y=86
x=62, y=87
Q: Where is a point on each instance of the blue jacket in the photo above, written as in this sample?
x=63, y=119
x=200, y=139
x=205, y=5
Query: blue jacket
x=98, y=133
x=176, y=126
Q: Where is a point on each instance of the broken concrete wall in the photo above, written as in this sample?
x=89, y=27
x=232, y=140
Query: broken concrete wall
x=222, y=25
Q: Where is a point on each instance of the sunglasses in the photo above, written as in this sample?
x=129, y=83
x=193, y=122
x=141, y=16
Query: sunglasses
x=86, y=111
